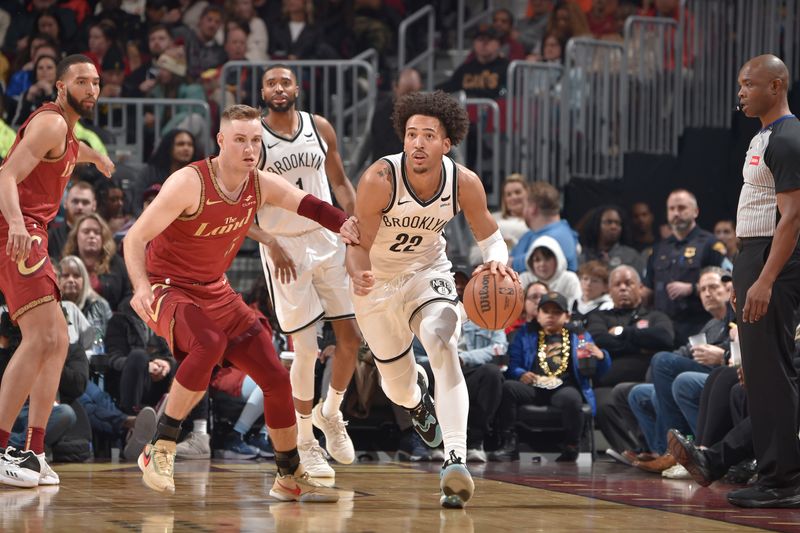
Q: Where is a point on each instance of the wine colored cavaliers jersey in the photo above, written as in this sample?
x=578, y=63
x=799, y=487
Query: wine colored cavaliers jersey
x=41, y=192
x=300, y=160
x=409, y=237
x=199, y=248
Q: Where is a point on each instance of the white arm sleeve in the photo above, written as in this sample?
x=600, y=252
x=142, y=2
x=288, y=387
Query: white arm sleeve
x=493, y=248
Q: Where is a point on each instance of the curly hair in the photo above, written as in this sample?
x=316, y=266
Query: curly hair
x=437, y=104
x=108, y=250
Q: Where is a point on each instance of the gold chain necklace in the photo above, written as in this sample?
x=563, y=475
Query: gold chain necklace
x=565, y=355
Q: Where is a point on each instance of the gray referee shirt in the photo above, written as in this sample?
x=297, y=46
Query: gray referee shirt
x=772, y=166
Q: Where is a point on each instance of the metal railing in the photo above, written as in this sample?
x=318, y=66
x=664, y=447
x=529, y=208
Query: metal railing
x=592, y=114
x=532, y=120
x=463, y=26
x=653, y=84
x=343, y=91
x=763, y=27
x=640, y=96
x=794, y=64
x=423, y=61
x=370, y=55
x=709, y=88
x=123, y=119
x=486, y=154
x=769, y=27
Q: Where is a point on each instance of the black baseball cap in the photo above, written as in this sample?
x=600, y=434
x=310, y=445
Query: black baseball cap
x=486, y=30
x=554, y=298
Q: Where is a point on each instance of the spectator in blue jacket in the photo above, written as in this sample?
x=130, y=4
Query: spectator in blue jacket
x=542, y=215
x=550, y=365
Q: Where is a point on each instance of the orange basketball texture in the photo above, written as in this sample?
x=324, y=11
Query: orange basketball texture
x=493, y=302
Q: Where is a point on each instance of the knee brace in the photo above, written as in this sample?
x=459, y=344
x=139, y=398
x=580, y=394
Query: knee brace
x=302, y=373
x=438, y=330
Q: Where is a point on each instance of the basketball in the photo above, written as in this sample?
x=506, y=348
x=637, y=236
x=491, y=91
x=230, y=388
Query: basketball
x=493, y=302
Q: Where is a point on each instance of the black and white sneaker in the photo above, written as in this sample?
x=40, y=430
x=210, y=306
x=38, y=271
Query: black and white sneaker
x=19, y=469
x=423, y=416
x=455, y=483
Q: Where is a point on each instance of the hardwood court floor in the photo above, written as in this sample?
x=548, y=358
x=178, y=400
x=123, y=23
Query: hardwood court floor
x=387, y=497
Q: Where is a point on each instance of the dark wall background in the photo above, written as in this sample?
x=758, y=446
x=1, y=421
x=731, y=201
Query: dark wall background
x=709, y=164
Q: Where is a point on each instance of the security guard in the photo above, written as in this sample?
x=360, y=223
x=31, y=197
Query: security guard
x=673, y=269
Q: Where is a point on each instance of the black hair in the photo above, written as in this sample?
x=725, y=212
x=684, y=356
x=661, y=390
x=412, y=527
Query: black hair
x=438, y=104
x=75, y=59
x=162, y=155
x=275, y=66
x=590, y=232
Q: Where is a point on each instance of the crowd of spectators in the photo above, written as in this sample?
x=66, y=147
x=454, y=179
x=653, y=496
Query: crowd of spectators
x=646, y=306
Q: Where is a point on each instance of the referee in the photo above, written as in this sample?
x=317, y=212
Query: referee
x=766, y=281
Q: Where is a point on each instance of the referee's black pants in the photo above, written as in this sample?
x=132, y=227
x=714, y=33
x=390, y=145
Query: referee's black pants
x=767, y=348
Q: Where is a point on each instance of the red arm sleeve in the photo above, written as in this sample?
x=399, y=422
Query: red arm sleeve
x=323, y=213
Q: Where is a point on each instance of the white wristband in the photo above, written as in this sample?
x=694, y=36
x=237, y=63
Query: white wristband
x=493, y=248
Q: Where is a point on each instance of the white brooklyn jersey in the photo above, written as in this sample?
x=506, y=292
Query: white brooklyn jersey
x=409, y=237
x=300, y=160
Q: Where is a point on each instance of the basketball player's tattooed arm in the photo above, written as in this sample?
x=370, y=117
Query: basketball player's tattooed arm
x=283, y=263
x=334, y=168
x=373, y=195
x=472, y=199
x=45, y=136
x=278, y=192
x=87, y=154
x=180, y=195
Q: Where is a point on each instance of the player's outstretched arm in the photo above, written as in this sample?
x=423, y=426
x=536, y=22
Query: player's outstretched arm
x=87, y=154
x=278, y=192
x=373, y=195
x=46, y=134
x=179, y=195
x=472, y=199
x=334, y=168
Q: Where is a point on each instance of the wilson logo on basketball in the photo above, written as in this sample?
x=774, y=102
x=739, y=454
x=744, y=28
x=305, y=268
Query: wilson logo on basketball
x=483, y=295
x=493, y=301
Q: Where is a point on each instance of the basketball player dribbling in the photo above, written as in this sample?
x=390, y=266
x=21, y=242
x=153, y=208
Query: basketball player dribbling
x=401, y=275
x=32, y=181
x=304, y=265
x=194, y=228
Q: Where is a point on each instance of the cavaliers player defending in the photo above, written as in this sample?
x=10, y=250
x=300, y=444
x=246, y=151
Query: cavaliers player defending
x=194, y=228
x=401, y=275
x=32, y=182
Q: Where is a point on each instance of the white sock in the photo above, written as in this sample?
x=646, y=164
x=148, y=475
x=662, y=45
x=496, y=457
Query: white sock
x=305, y=430
x=452, y=410
x=200, y=426
x=332, y=402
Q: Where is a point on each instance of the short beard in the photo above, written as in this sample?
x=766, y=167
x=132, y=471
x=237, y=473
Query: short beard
x=78, y=108
x=681, y=226
x=416, y=170
x=283, y=108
